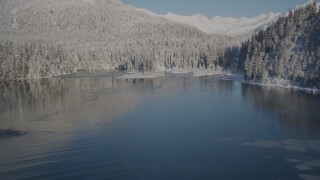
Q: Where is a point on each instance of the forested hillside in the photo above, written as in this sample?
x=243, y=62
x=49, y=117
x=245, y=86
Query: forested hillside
x=288, y=51
x=44, y=38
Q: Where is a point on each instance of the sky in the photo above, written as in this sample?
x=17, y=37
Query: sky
x=211, y=8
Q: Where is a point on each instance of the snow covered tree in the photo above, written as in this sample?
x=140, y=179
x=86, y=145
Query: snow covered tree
x=53, y=37
x=288, y=49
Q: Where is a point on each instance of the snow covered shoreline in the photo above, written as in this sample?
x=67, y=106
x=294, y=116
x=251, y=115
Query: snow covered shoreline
x=284, y=84
x=194, y=72
x=200, y=73
x=223, y=75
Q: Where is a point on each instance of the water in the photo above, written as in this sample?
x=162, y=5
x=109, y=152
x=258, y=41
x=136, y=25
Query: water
x=176, y=127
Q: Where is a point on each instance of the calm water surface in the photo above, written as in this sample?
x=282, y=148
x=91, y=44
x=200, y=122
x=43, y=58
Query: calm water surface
x=176, y=127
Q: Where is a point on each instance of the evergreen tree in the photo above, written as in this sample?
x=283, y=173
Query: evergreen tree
x=287, y=50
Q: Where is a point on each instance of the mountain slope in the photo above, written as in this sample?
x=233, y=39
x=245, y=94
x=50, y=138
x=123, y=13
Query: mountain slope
x=43, y=38
x=287, y=52
x=236, y=27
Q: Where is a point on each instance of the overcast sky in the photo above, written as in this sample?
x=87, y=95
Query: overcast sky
x=210, y=8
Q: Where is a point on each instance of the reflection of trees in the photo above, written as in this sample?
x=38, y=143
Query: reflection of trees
x=23, y=104
x=55, y=111
x=57, y=98
x=150, y=83
x=204, y=83
x=293, y=108
x=34, y=94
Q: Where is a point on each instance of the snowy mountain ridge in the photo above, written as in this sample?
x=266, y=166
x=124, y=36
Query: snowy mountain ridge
x=236, y=27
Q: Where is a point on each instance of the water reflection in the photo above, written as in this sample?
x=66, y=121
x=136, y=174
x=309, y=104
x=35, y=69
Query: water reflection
x=93, y=124
x=57, y=111
x=60, y=101
x=56, y=104
x=6, y=133
x=293, y=109
x=211, y=84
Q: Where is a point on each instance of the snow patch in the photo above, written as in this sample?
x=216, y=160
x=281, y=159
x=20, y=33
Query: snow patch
x=178, y=71
x=283, y=83
x=200, y=73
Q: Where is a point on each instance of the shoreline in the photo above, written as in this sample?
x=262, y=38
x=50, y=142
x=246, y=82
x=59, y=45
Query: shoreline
x=285, y=86
x=193, y=72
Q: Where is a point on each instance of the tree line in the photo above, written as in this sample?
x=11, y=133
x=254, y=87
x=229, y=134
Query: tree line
x=289, y=49
x=44, y=38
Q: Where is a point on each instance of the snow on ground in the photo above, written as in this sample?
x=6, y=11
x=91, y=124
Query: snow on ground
x=178, y=71
x=199, y=73
x=282, y=83
x=195, y=73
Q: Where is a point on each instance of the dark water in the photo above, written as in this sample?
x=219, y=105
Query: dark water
x=176, y=127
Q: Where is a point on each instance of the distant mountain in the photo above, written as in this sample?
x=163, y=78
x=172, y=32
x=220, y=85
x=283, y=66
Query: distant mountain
x=44, y=38
x=236, y=27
